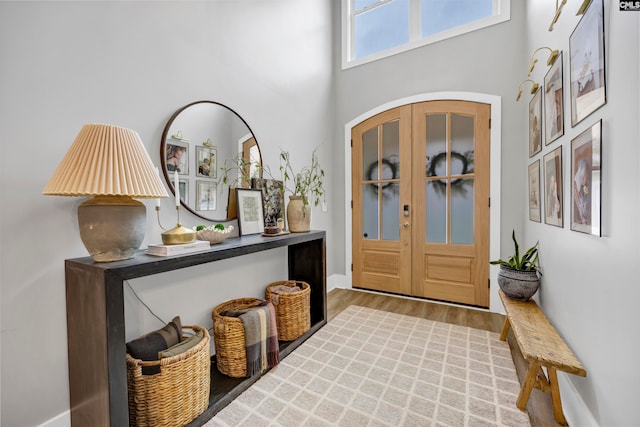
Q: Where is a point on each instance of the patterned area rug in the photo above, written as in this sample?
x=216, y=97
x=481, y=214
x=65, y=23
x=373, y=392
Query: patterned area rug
x=372, y=368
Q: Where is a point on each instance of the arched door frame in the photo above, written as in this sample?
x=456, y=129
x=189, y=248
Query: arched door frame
x=494, y=191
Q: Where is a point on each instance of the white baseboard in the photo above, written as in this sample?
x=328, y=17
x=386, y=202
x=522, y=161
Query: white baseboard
x=576, y=412
x=62, y=420
x=338, y=281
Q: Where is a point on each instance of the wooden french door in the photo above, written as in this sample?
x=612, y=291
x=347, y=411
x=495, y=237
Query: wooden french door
x=420, y=185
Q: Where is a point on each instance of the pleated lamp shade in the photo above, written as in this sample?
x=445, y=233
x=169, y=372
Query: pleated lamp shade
x=111, y=164
x=106, y=160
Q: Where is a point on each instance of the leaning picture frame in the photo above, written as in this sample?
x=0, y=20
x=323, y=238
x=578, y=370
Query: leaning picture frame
x=535, y=123
x=553, y=102
x=553, y=197
x=534, y=191
x=587, y=63
x=273, y=198
x=586, y=179
x=250, y=211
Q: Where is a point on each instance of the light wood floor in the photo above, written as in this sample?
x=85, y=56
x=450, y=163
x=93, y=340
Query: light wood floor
x=539, y=407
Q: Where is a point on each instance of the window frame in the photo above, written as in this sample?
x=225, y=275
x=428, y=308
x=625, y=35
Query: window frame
x=503, y=14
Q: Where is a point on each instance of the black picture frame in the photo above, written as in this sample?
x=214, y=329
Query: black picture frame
x=587, y=75
x=586, y=181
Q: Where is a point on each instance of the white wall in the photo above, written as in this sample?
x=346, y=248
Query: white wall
x=589, y=289
x=133, y=64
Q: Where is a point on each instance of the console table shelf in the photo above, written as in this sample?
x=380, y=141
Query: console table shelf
x=96, y=327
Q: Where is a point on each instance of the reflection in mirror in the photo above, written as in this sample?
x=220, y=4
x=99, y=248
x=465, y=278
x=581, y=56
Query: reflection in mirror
x=198, y=142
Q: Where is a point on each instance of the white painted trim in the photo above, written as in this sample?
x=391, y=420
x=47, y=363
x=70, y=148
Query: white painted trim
x=62, y=420
x=576, y=412
x=495, y=184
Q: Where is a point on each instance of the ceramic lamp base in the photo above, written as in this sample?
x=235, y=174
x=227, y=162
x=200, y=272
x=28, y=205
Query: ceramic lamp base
x=112, y=227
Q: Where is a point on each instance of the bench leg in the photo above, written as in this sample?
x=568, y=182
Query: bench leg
x=505, y=329
x=527, y=385
x=555, y=396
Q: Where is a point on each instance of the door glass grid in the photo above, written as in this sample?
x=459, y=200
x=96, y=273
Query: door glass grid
x=449, y=181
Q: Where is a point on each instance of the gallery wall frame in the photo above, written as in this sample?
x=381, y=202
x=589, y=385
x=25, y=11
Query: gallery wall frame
x=177, y=157
x=586, y=180
x=553, y=194
x=206, y=195
x=587, y=63
x=206, y=162
x=250, y=211
x=535, y=123
x=554, y=102
x=183, y=187
x=535, y=204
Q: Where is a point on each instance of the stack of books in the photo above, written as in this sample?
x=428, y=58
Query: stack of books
x=185, y=248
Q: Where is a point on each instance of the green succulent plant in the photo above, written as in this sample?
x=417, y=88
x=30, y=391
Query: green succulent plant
x=527, y=262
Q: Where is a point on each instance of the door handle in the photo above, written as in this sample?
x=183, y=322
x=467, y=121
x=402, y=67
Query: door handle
x=405, y=225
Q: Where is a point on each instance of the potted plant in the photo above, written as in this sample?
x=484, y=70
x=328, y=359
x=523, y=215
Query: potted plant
x=304, y=186
x=518, y=276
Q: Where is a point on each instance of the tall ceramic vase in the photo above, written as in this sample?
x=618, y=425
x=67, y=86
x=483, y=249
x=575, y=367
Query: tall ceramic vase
x=298, y=215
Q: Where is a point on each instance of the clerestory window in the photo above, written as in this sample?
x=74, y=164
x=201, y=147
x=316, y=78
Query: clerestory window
x=374, y=29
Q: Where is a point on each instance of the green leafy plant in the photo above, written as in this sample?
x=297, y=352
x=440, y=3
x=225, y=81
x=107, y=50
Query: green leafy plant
x=527, y=262
x=237, y=171
x=306, y=183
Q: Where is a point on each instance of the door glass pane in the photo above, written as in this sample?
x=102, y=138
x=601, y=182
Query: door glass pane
x=370, y=154
x=369, y=211
x=436, y=212
x=462, y=211
x=462, y=144
x=391, y=211
x=436, y=140
x=391, y=150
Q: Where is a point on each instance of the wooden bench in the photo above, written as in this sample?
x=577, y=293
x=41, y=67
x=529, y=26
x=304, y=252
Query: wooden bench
x=541, y=345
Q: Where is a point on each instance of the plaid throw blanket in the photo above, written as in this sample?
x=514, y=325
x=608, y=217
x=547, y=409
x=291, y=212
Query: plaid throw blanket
x=261, y=336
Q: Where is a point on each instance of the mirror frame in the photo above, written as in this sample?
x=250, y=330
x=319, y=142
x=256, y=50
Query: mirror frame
x=163, y=142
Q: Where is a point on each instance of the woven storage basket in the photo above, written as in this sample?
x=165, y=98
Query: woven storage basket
x=292, y=309
x=177, y=394
x=228, y=337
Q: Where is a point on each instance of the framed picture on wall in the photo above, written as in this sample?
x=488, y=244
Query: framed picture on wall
x=534, y=191
x=587, y=63
x=177, y=157
x=206, y=194
x=250, y=211
x=535, y=123
x=553, y=188
x=553, y=102
x=206, y=162
x=586, y=151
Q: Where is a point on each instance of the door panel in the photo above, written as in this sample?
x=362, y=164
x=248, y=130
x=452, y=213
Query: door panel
x=381, y=186
x=420, y=185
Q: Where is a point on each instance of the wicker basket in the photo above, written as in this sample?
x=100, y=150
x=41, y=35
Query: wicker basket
x=228, y=337
x=177, y=394
x=292, y=309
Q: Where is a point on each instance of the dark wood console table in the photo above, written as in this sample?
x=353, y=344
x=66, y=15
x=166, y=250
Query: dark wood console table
x=96, y=326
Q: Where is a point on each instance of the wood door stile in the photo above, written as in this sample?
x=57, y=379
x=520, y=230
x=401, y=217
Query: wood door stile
x=96, y=326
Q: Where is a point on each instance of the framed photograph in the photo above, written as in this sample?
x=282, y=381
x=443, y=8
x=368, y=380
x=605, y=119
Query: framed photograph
x=273, y=198
x=206, y=162
x=553, y=187
x=553, y=103
x=534, y=191
x=535, y=123
x=177, y=157
x=183, y=186
x=586, y=151
x=206, y=194
x=587, y=64
x=250, y=211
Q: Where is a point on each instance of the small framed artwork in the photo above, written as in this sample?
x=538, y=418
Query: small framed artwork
x=206, y=194
x=534, y=191
x=177, y=157
x=250, y=211
x=183, y=186
x=587, y=63
x=553, y=214
x=206, y=162
x=553, y=103
x=586, y=151
x=535, y=123
x=273, y=197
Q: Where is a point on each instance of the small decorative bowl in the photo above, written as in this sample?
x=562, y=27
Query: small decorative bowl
x=214, y=236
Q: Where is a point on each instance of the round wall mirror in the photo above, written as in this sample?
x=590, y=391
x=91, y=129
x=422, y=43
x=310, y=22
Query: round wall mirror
x=201, y=142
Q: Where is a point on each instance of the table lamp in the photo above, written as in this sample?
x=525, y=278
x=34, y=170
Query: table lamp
x=110, y=164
